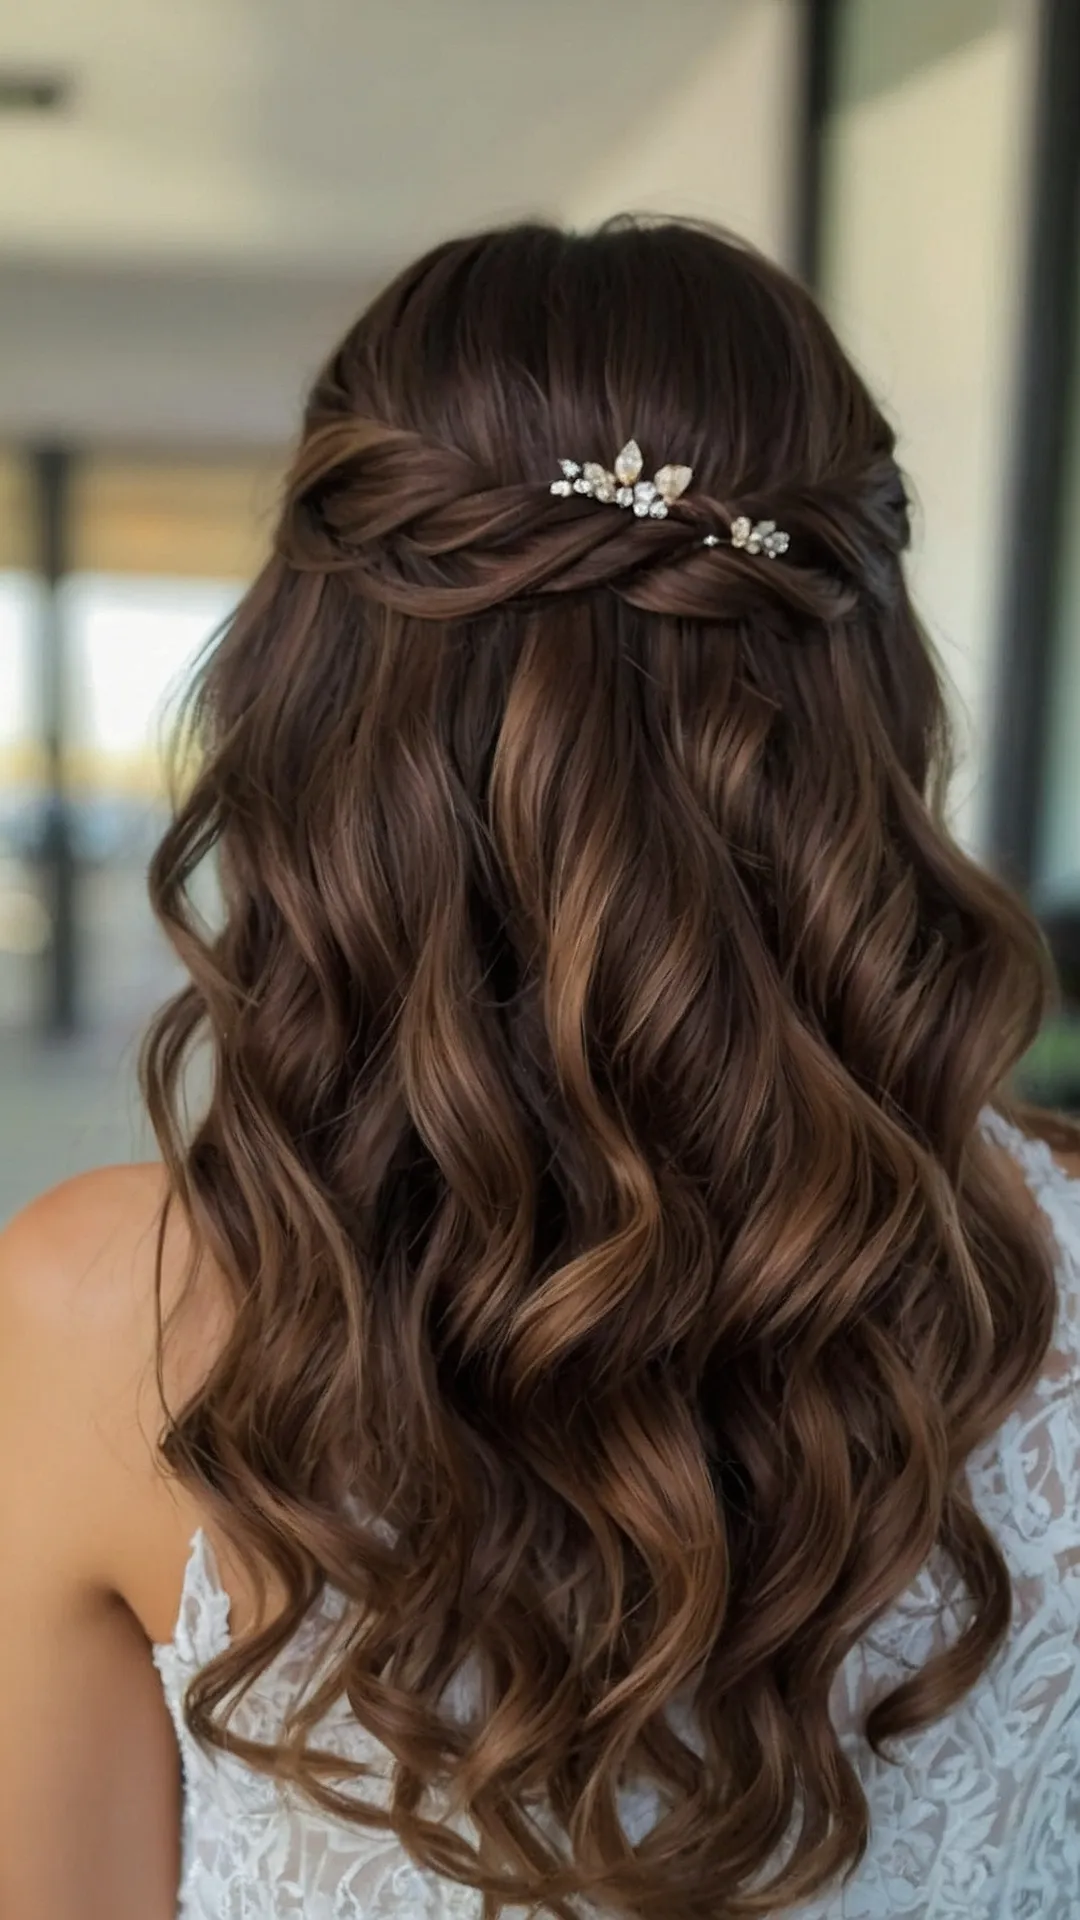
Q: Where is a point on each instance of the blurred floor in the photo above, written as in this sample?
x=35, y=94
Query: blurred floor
x=69, y=1105
x=63, y=1108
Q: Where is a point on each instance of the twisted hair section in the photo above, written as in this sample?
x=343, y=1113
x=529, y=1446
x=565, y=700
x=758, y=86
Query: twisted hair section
x=422, y=530
x=601, y=1015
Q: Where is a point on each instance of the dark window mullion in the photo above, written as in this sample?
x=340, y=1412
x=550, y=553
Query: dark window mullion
x=52, y=468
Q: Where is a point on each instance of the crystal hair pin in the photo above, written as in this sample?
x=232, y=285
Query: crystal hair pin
x=623, y=486
x=760, y=536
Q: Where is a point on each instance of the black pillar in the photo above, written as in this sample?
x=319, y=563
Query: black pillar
x=819, y=31
x=52, y=468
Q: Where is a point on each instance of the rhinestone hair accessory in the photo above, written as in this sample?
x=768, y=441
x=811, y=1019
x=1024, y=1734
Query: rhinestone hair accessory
x=762, y=536
x=622, y=486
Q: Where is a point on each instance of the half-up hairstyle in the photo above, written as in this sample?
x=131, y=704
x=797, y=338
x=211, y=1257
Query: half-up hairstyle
x=601, y=1019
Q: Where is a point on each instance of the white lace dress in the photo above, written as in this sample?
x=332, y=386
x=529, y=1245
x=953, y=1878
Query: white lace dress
x=980, y=1820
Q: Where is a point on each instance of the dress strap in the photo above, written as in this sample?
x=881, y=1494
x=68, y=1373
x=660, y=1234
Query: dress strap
x=1043, y=1173
x=202, y=1624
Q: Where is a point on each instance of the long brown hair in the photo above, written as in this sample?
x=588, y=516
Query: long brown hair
x=601, y=1017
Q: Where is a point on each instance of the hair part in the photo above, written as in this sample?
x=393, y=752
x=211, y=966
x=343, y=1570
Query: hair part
x=601, y=1018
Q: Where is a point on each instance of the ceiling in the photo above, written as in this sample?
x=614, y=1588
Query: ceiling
x=231, y=177
x=272, y=131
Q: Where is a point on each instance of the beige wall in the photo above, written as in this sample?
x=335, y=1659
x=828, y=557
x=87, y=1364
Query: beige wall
x=927, y=178
x=720, y=146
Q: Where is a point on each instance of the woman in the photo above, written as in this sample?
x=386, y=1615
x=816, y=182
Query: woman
x=586, y=1415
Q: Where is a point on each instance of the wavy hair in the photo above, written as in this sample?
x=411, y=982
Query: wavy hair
x=601, y=1018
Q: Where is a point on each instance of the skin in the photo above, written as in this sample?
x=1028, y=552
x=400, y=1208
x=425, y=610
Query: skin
x=95, y=1539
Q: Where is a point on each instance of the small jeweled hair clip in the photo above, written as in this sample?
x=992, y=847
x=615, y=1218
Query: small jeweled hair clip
x=624, y=487
x=762, y=537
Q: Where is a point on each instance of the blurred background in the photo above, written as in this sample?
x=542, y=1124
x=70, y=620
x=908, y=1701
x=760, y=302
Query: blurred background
x=193, y=202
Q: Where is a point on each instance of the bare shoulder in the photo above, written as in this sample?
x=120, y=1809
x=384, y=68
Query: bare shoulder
x=93, y=1544
x=79, y=1256
x=79, y=1280
x=81, y=1481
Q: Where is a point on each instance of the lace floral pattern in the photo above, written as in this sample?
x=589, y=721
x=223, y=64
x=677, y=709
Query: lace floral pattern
x=980, y=1820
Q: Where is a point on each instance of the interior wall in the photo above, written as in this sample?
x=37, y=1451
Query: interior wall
x=926, y=176
x=721, y=147
x=195, y=329
x=166, y=356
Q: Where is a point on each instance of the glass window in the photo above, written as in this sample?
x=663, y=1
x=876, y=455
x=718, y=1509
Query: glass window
x=133, y=642
x=160, y=550
x=24, y=926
